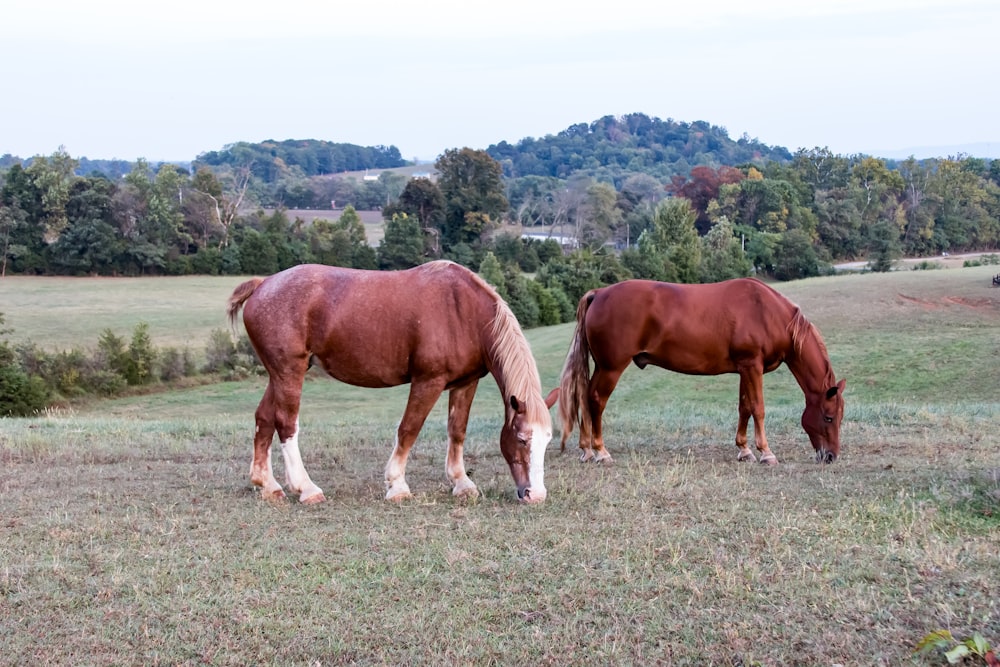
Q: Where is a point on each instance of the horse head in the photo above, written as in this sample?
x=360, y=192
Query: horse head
x=821, y=421
x=523, y=440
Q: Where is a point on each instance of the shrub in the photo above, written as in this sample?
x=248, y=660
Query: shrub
x=175, y=364
x=220, y=355
x=140, y=367
x=21, y=394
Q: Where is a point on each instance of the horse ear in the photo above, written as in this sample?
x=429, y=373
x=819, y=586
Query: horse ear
x=832, y=391
x=552, y=398
x=516, y=404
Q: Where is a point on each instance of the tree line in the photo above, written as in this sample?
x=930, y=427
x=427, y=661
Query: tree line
x=784, y=218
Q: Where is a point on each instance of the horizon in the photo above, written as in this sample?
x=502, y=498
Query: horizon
x=982, y=149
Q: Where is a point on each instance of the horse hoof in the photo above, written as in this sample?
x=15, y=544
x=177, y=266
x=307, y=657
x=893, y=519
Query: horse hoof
x=398, y=494
x=586, y=455
x=273, y=496
x=603, y=457
x=466, y=492
x=746, y=456
x=769, y=459
x=314, y=499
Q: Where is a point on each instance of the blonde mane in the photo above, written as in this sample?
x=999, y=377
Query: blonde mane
x=514, y=358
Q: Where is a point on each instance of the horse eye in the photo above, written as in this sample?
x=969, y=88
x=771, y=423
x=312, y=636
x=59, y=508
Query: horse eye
x=827, y=419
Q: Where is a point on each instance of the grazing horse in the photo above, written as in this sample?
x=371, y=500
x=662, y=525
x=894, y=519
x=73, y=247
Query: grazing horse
x=736, y=326
x=437, y=327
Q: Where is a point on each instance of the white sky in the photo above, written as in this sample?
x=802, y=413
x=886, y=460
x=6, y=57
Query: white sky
x=170, y=80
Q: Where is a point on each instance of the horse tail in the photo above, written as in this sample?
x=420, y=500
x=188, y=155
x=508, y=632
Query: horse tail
x=239, y=297
x=575, y=379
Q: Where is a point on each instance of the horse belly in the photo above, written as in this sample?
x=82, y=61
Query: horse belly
x=692, y=361
x=365, y=359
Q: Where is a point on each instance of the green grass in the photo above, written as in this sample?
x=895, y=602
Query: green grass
x=66, y=313
x=129, y=533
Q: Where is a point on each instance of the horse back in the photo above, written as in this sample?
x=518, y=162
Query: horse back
x=371, y=328
x=697, y=329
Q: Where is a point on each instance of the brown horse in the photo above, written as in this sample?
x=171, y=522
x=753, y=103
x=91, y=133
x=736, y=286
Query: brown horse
x=437, y=327
x=737, y=326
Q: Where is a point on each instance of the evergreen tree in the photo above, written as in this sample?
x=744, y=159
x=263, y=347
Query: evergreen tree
x=492, y=272
x=402, y=246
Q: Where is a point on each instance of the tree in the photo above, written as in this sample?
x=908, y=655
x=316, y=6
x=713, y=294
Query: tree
x=402, y=246
x=492, y=272
x=472, y=186
x=226, y=195
x=53, y=177
x=702, y=187
x=884, y=247
x=673, y=236
x=21, y=394
x=521, y=298
x=919, y=217
x=722, y=255
x=13, y=220
x=599, y=216
x=580, y=271
x=21, y=222
x=257, y=254
x=90, y=243
x=795, y=257
x=421, y=199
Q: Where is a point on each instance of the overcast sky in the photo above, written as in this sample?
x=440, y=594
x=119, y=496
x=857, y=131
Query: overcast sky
x=170, y=80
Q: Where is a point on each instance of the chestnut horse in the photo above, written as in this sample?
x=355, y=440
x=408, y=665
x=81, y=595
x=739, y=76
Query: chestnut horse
x=437, y=327
x=736, y=326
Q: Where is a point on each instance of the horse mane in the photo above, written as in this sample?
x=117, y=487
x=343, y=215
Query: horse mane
x=513, y=354
x=801, y=329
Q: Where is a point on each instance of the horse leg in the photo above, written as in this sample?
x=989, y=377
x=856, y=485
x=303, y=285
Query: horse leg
x=261, y=472
x=601, y=385
x=423, y=396
x=752, y=401
x=286, y=393
x=459, y=404
x=745, y=409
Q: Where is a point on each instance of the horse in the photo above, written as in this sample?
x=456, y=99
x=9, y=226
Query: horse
x=736, y=326
x=436, y=327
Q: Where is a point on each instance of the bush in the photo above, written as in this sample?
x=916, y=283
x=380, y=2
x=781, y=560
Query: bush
x=230, y=359
x=21, y=394
x=140, y=367
x=175, y=364
x=220, y=355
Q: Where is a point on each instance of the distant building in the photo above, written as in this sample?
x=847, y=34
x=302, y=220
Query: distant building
x=563, y=241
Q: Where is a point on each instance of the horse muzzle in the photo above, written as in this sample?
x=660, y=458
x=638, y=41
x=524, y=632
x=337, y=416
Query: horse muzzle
x=530, y=495
x=825, y=456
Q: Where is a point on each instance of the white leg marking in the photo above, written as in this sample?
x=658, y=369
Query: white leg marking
x=455, y=470
x=396, y=487
x=295, y=472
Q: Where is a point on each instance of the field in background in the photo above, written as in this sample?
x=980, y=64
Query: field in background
x=129, y=533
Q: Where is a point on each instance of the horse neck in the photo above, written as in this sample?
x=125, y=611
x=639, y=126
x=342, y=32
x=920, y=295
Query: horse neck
x=809, y=361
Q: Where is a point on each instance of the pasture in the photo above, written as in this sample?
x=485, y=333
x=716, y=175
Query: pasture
x=129, y=533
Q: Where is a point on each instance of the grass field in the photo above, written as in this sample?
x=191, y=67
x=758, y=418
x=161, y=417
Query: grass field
x=129, y=533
